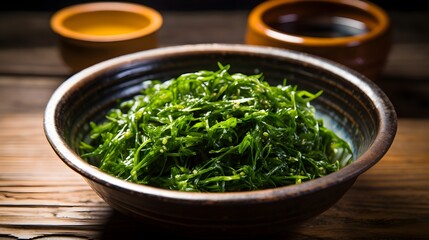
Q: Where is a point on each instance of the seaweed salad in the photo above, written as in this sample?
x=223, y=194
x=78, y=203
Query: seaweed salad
x=216, y=131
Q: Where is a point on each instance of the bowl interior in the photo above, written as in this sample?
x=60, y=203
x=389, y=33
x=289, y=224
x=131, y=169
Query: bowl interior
x=109, y=22
x=319, y=19
x=105, y=21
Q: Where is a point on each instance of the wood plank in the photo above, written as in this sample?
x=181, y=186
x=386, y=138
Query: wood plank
x=25, y=152
x=26, y=94
x=35, y=61
x=39, y=194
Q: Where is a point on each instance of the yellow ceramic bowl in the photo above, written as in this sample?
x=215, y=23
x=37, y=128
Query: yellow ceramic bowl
x=351, y=32
x=92, y=32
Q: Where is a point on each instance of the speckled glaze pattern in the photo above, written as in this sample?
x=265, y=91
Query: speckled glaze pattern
x=350, y=103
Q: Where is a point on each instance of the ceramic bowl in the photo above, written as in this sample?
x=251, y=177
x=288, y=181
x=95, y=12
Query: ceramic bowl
x=354, y=33
x=92, y=32
x=351, y=105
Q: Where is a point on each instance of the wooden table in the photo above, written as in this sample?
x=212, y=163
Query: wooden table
x=40, y=197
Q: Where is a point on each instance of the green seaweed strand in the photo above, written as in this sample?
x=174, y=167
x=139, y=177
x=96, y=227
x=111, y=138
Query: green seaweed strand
x=212, y=131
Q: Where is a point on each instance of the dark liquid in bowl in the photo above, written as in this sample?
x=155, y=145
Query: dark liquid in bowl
x=321, y=27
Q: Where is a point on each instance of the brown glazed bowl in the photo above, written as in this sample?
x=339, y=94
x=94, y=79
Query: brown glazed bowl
x=351, y=105
x=351, y=32
x=89, y=33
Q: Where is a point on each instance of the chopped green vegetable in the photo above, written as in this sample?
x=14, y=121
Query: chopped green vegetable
x=212, y=131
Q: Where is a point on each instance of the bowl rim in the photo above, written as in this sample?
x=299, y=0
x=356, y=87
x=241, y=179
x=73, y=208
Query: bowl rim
x=386, y=116
x=153, y=16
x=257, y=25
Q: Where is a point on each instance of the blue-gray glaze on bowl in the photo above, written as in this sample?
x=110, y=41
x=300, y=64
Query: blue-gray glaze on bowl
x=350, y=103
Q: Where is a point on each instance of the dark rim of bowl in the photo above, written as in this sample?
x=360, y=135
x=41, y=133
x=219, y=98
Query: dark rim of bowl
x=383, y=139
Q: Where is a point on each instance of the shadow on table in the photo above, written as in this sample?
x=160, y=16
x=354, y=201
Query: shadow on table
x=409, y=96
x=120, y=226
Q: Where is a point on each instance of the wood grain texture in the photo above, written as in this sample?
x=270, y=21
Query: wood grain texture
x=41, y=196
x=25, y=94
